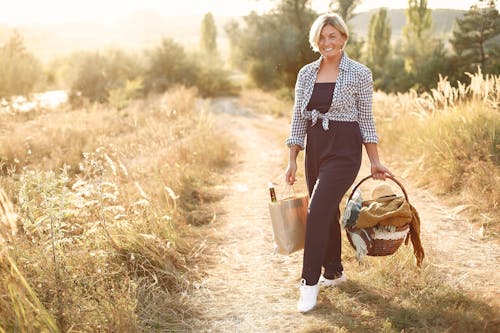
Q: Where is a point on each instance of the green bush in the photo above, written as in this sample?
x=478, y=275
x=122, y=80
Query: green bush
x=20, y=71
x=120, y=97
x=98, y=74
x=117, y=78
x=168, y=65
x=213, y=80
x=272, y=48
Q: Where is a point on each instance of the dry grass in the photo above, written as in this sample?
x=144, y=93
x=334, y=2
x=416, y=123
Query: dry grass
x=449, y=141
x=102, y=199
x=266, y=103
x=248, y=288
x=390, y=294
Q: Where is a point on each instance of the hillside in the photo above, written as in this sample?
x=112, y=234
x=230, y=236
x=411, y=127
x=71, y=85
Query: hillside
x=146, y=29
x=138, y=32
x=442, y=19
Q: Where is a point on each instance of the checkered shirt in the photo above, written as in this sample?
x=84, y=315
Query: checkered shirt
x=352, y=100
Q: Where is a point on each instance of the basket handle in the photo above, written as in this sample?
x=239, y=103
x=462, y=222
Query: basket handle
x=387, y=176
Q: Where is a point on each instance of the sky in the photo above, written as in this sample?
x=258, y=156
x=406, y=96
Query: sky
x=34, y=12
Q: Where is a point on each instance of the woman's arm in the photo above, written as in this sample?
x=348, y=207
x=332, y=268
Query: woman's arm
x=291, y=169
x=378, y=170
x=297, y=134
x=367, y=125
x=364, y=107
x=298, y=126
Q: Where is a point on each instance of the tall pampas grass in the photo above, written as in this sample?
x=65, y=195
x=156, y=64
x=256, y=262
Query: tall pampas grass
x=448, y=140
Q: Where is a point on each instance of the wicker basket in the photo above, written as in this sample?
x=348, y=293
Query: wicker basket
x=379, y=241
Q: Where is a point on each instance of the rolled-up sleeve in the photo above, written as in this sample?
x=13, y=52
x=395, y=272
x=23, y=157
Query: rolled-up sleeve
x=299, y=123
x=364, y=105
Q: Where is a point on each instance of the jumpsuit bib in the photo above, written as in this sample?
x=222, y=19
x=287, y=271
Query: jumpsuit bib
x=332, y=162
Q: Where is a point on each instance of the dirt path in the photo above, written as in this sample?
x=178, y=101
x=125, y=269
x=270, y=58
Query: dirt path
x=250, y=289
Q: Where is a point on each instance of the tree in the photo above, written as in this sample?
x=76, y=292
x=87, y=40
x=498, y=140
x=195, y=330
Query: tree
x=98, y=74
x=345, y=8
x=379, y=47
x=425, y=57
x=168, y=65
x=474, y=37
x=20, y=71
x=271, y=48
x=91, y=79
x=419, y=19
x=417, y=34
x=208, y=39
x=354, y=47
x=297, y=17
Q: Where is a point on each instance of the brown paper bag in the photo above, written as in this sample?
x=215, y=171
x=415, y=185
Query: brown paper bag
x=288, y=217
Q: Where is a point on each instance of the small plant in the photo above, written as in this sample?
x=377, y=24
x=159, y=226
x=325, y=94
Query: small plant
x=121, y=97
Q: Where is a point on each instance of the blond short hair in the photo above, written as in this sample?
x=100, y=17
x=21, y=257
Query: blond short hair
x=326, y=19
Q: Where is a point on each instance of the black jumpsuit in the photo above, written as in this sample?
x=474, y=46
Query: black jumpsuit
x=332, y=162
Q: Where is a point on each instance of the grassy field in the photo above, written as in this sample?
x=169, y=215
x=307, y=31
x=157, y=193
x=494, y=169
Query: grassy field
x=98, y=210
x=449, y=141
x=105, y=201
x=389, y=294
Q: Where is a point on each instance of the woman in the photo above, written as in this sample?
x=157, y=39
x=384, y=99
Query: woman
x=333, y=108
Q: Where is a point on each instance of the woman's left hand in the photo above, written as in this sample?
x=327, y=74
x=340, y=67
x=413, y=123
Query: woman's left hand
x=379, y=171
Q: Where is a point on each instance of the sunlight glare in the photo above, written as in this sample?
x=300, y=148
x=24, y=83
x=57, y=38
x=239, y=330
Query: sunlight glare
x=33, y=12
x=61, y=11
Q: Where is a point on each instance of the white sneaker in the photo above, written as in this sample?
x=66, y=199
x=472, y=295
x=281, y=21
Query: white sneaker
x=324, y=282
x=308, y=296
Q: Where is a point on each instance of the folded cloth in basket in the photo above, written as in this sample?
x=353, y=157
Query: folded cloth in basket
x=414, y=235
x=395, y=212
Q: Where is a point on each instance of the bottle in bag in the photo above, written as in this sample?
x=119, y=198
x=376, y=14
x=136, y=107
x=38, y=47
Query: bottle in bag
x=272, y=192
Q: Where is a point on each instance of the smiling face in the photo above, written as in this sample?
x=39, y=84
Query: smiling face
x=331, y=41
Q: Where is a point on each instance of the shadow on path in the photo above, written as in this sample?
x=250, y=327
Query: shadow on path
x=443, y=310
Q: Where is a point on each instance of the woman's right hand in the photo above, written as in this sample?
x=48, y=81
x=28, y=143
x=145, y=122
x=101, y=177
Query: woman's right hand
x=290, y=172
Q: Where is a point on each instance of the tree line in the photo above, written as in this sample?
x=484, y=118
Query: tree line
x=270, y=49
x=115, y=76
